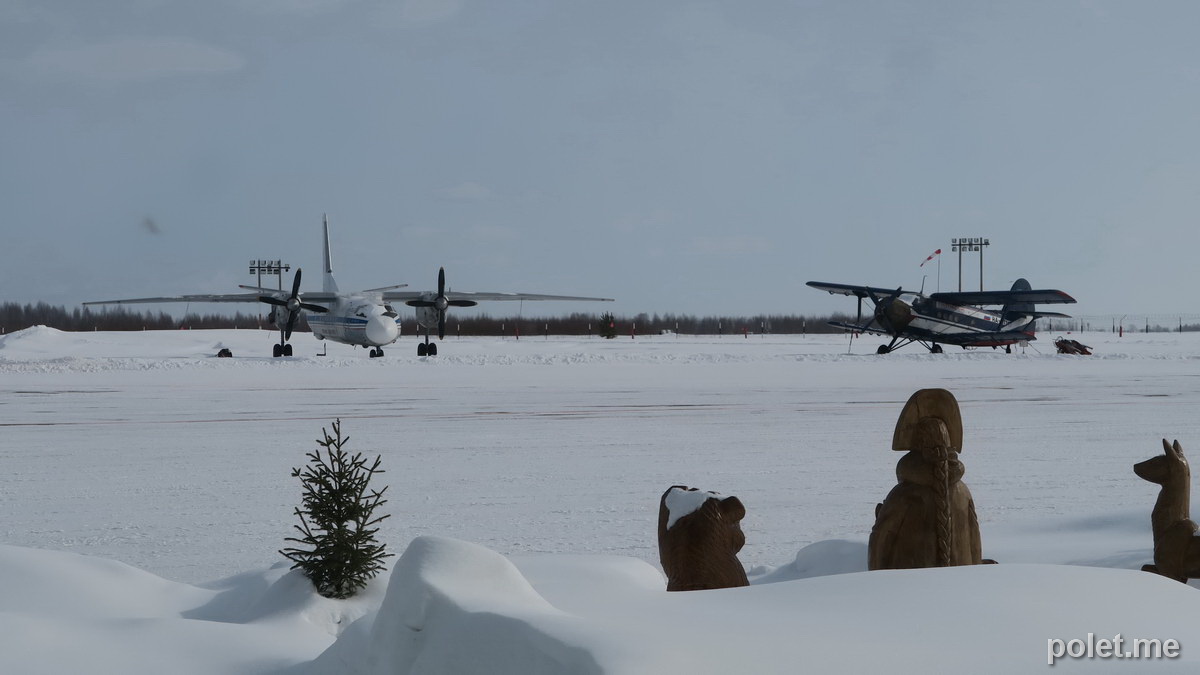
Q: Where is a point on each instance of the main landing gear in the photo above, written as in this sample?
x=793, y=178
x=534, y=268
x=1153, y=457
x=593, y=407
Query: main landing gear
x=376, y=352
x=934, y=348
x=282, y=349
x=426, y=348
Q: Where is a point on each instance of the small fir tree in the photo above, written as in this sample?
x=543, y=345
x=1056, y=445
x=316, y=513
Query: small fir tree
x=608, y=325
x=337, y=521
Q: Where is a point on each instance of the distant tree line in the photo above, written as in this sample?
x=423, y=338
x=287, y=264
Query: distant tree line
x=15, y=316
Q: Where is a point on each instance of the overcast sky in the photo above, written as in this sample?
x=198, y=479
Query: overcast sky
x=689, y=157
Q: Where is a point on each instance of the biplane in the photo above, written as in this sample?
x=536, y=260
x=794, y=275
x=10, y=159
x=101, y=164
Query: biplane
x=965, y=318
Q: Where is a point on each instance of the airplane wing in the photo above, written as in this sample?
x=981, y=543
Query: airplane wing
x=1042, y=297
x=851, y=289
x=857, y=328
x=315, y=297
x=986, y=339
x=236, y=297
x=487, y=296
x=306, y=296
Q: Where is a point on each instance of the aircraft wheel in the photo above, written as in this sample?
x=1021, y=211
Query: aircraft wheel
x=287, y=350
x=277, y=351
x=935, y=349
x=1007, y=349
x=433, y=349
x=420, y=349
x=883, y=349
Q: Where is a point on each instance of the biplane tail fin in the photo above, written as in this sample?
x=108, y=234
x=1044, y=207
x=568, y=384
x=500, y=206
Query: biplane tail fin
x=1017, y=308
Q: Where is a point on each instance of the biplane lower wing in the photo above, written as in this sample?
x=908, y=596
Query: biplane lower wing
x=857, y=329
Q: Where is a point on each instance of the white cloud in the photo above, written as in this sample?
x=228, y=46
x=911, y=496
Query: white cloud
x=132, y=59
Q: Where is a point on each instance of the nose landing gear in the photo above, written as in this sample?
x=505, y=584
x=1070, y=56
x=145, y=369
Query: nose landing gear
x=426, y=348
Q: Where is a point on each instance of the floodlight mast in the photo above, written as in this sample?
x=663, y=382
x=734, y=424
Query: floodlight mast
x=276, y=267
x=973, y=244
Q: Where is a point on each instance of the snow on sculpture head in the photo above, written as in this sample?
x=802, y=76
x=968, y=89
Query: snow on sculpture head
x=699, y=535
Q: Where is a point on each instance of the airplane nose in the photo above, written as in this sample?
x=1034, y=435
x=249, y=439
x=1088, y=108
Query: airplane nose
x=382, y=330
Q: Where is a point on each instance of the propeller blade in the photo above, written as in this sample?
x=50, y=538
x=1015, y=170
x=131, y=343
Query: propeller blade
x=420, y=303
x=320, y=309
x=272, y=301
x=442, y=326
x=291, y=323
x=462, y=303
x=296, y=284
x=441, y=282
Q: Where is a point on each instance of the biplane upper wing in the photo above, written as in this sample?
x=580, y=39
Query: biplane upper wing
x=851, y=289
x=1039, y=297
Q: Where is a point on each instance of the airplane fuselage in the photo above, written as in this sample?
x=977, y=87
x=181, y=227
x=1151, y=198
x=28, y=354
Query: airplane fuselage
x=357, y=320
x=935, y=321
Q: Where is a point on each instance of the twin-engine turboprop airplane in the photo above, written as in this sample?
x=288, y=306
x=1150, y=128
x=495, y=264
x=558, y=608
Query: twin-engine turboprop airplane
x=961, y=318
x=364, y=318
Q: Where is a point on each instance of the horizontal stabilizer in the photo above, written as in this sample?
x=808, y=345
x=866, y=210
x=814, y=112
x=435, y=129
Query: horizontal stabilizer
x=385, y=288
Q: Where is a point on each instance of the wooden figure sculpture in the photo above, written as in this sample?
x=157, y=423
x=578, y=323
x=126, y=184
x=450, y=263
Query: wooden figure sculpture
x=928, y=519
x=699, y=535
x=1176, y=547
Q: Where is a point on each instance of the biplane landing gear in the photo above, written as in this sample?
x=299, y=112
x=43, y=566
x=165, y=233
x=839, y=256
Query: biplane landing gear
x=1007, y=349
x=935, y=349
x=883, y=349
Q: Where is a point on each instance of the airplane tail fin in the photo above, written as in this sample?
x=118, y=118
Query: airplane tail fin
x=1015, y=310
x=328, y=284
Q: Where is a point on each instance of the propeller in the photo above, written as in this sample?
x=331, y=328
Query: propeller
x=293, y=306
x=892, y=312
x=441, y=303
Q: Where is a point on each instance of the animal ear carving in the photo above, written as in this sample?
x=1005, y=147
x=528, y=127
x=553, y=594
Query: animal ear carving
x=699, y=535
x=928, y=519
x=1176, y=546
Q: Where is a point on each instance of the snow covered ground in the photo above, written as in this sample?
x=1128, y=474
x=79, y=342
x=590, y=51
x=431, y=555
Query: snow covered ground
x=549, y=457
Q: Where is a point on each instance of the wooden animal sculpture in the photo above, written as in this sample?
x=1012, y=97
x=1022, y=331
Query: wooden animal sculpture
x=699, y=535
x=1176, y=546
x=928, y=519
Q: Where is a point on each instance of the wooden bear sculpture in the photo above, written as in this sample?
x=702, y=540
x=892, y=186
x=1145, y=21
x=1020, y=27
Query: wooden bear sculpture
x=928, y=519
x=699, y=535
x=1176, y=546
